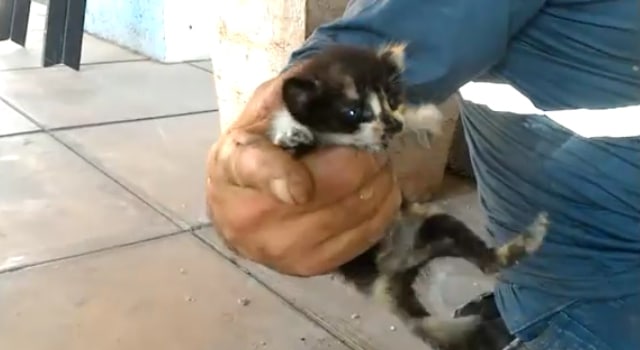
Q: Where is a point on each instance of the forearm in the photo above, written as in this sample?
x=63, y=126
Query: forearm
x=450, y=41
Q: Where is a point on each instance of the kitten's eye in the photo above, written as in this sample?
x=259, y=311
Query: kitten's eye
x=357, y=114
x=353, y=113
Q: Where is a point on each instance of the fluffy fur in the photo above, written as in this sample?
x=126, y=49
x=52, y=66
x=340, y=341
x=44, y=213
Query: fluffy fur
x=355, y=97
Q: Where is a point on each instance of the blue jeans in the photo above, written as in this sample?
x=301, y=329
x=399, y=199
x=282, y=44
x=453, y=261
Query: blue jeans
x=599, y=324
x=581, y=290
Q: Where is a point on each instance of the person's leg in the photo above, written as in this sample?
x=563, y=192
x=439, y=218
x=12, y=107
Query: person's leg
x=590, y=325
x=590, y=189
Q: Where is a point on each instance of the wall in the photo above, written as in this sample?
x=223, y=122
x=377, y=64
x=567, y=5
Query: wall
x=165, y=30
x=188, y=29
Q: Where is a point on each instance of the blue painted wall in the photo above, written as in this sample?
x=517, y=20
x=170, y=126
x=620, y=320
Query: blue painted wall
x=135, y=24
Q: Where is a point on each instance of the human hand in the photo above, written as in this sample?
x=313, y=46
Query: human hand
x=299, y=217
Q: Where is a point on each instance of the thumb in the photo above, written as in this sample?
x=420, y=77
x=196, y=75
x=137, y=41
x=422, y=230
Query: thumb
x=250, y=160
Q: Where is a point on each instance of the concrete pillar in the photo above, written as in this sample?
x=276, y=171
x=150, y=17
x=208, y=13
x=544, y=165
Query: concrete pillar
x=420, y=170
x=252, y=42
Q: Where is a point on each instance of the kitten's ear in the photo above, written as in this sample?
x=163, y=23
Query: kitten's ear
x=394, y=55
x=298, y=92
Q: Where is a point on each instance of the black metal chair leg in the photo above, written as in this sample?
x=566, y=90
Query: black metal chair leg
x=6, y=18
x=20, y=24
x=65, y=29
x=54, y=35
x=74, y=32
x=14, y=20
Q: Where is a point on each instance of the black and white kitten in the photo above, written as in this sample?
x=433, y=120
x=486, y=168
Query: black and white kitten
x=354, y=96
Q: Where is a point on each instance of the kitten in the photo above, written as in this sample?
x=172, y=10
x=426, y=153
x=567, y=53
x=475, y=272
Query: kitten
x=354, y=97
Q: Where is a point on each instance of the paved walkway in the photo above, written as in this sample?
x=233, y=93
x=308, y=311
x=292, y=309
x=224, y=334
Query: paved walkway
x=104, y=242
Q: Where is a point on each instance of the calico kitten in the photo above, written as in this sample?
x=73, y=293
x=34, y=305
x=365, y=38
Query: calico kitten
x=354, y=96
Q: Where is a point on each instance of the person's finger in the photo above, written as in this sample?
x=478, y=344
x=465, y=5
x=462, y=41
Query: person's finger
x=227, y=203
x=252, y=161
x=280, y=235
x=275, y=248
x=330, y=220
x=239, y=210
x=340, y=169
x=339, y=249
x=357, y=207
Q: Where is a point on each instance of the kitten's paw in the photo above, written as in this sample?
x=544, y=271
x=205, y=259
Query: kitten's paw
x=286, y=132
x=536, y=232
x=293, y=138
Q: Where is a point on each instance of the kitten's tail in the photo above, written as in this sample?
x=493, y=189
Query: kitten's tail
x=398, y=294
x=471, y=247
x=522, y=245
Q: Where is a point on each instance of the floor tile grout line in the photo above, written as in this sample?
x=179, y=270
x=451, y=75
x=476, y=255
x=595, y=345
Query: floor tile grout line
x=22, y=113
x=129, y=60
x=201, y=68
x=125, y=121
x=45, y=128
x=200, y=226
x=99, y=124
x=158, y=208
x=305, y=313
x=170, y=215
x=22, y=133
x=95, y=251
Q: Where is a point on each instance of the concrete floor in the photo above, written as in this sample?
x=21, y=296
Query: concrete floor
x=104, y=241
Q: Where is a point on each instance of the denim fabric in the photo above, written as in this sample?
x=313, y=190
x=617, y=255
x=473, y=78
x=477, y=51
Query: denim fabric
x=450, y=41
x=582, y=289
x=589, y=187
x=609, y=324
x=562, y=54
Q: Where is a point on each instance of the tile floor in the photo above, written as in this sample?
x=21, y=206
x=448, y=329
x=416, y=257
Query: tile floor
x=104, y=241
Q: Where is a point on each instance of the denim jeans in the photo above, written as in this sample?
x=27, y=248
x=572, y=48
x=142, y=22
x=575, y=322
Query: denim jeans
x=598, y=324
x=581, y=290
